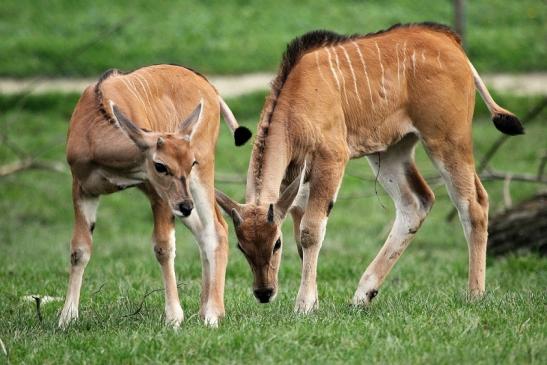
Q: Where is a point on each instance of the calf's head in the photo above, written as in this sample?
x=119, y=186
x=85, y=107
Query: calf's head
x=258, y=231
x=168, y=157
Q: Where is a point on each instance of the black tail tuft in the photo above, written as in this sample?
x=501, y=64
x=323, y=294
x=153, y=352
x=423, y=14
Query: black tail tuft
x=508, y=124
x=242, y=135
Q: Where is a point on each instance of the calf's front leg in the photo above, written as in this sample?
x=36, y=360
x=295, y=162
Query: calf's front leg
x=210, y=230
x=163, y=240
x=324, y=183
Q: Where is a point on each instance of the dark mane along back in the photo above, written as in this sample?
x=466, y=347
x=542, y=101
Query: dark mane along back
x=302, y=45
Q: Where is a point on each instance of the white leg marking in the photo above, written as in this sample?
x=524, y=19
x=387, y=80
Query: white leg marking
x=208, y=243
x=88, y=207
x=382, y=68
x=414, y=62
x=352, y=74
x=301, y=200
x=368, y=283
x=332, y=69
x=365, y=70
x=341, y=75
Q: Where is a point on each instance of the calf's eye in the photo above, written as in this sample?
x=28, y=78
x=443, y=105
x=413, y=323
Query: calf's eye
x=161, y=168
x=277, y=245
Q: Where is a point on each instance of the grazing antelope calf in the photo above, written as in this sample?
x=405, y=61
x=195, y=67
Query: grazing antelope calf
x=130, y=130
x=341, y=97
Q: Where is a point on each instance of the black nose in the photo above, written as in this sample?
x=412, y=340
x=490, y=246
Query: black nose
x=186, y=207
x=263, y=294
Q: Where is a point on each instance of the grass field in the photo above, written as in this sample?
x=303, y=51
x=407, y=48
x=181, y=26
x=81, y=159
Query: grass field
x=420, y=316
x=72, y=38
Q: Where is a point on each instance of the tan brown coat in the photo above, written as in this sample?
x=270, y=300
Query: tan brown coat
x=341, y=97
x=155, y=129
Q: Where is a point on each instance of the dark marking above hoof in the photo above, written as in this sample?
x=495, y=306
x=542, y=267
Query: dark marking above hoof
x=92, y=227
x=75, y=257
x=372, y=294
x=412, y=230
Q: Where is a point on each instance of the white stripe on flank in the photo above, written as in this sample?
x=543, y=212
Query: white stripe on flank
x=151, y=75
x=404, y=59
x=130, y=81
x=131, y=89
x=423, y=57
x=439, y=59
x=341, y=75
x=414, y=62
x=319, y=69
x=398, y=66
x=365, y=69
x=352, y=74
x=332, y=69
x=382, y=68
x=145, y=90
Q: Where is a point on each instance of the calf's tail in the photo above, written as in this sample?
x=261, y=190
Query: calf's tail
x=241, y=134
x=503, y=119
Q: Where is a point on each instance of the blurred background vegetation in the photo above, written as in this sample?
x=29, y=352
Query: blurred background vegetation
x=421, y=314
x=84, y=38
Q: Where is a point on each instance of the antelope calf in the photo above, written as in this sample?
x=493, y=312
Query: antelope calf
x=339, y=97
x=138, y=129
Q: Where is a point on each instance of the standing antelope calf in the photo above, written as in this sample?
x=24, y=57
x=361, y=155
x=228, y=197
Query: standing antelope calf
x=134, y=130
x=341, y=97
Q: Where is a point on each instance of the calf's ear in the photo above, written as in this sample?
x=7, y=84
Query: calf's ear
x=188, y=126
x=130, y=129
x=230, y=206
x=278, y=212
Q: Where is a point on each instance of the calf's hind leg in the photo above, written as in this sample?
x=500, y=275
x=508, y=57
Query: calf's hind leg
x=413, y=199
x=85, y=209
x=471, y=200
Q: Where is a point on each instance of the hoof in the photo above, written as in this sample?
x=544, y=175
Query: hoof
x=174, y=317
x=360, y=299
x=306, y=306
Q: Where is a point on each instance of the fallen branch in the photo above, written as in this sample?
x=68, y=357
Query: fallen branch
x=499, y=175
x=30, y=164
x=98, y=290
x=139, y=308
x=146, y=295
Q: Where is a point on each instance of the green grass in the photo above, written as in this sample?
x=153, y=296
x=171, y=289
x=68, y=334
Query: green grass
x=420, y=316
x=74, y=38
